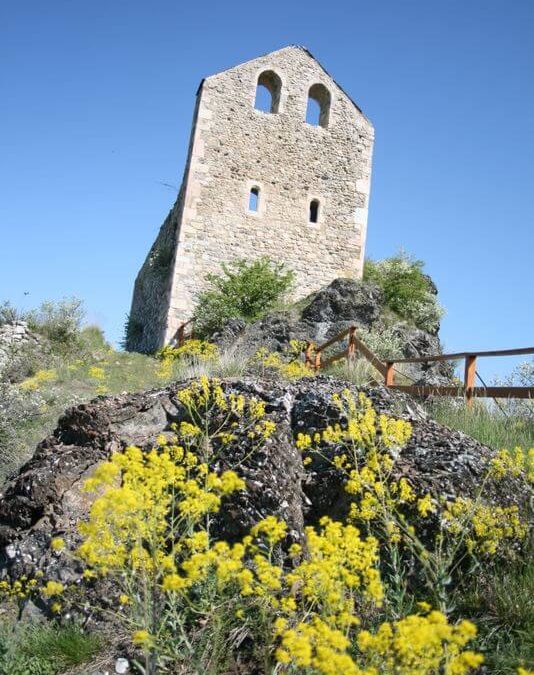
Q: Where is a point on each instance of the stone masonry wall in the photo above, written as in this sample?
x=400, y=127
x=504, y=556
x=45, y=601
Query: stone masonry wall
x=147, y=321
x=234, y=147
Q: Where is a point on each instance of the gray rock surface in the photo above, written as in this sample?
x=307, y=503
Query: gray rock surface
x=45, y=499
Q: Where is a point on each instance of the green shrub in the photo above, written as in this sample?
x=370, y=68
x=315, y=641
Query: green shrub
x=59, y=321
x=244, y=290
x=92, y=344
x=408, y=291
x=384, y=342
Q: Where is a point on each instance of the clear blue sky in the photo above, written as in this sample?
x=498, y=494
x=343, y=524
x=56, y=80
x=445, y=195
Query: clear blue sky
x=96, y=101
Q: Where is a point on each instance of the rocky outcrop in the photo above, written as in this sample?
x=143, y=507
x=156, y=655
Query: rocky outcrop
x=18, y=347
x=45, y=499
x=345, y=302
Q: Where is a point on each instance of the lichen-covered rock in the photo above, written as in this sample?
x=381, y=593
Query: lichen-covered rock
x=345, y=300
x=46, y=500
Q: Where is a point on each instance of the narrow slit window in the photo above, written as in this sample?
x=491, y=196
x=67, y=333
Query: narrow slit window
x=254, y=199
x=314, y=211
x=318, y=108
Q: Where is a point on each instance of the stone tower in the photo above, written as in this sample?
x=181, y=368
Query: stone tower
x=260, y=180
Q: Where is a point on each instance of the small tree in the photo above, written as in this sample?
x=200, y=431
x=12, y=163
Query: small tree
x=244, y=290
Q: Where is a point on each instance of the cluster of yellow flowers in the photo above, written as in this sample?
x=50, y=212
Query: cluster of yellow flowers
x=24, y=588
x=235, y=415
x=364, y=448
x=98, y=374
x=339, y=568
x=513, y=463
x=314, y=644
x=20, y=589
x=288, y=365
x=200, y=350
x=145, y=495
x=41, y=376
x=417, y=645
x=487, y=529
x=364, y=427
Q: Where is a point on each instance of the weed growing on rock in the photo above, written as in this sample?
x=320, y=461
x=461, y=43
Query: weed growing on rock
x=189, y=351
x=288, y=364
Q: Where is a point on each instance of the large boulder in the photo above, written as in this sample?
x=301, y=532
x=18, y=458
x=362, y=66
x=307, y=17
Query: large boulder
x=46, y=499
x=345, y=300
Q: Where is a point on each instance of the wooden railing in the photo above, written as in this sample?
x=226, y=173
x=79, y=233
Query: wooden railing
x=314, y=359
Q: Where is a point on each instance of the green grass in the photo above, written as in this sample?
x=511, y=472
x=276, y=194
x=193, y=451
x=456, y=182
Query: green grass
x=44, y=649
x=97, y=370
x=488, y=425
x=359, y=372
x=501, y=603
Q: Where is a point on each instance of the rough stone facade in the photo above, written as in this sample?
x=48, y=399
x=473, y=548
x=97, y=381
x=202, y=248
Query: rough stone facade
x=235, y=149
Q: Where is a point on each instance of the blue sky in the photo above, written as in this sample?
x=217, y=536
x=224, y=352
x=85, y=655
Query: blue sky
x=96, y=105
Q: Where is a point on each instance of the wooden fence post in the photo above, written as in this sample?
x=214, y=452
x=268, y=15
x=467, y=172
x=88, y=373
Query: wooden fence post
x=308, y=355
x=390, y=374
x=469, y=378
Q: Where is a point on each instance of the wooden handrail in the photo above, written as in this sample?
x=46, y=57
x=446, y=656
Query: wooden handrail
x=387, y=370
x=463, y=355
x=336, y=338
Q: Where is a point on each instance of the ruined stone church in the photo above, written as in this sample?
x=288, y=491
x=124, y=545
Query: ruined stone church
x=279, y=165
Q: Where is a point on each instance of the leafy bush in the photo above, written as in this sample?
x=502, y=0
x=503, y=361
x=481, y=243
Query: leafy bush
x=59, y=321
x=408, y=291
x=244, y=290
x=384, y=342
